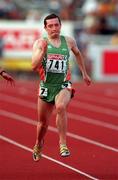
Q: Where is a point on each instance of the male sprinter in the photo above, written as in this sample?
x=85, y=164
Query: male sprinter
x=51, y=59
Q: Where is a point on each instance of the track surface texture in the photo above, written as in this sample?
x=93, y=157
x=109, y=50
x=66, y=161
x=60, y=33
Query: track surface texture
x=92, y=134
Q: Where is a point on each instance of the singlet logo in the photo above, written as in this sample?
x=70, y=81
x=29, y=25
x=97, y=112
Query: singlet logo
x=64, y=49
x=55, y=56
x=49, y=46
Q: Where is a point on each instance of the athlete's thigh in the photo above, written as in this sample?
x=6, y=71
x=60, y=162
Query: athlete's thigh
x=64, y=97
x=44, y=109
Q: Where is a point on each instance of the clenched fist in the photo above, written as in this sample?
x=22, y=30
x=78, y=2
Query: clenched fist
x=44, y=45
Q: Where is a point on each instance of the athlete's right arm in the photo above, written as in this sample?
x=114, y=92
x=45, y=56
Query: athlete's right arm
x=39, y=50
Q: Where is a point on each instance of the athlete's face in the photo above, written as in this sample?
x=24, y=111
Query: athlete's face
x=53, y=27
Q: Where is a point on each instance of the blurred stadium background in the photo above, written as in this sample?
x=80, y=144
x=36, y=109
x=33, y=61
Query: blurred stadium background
x=93, y=23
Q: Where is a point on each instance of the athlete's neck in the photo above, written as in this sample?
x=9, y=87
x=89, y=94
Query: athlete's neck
x=55, y=41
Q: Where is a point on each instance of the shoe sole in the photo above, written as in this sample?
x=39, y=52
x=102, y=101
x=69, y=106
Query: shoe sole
x=36, y=159
x=65, y=155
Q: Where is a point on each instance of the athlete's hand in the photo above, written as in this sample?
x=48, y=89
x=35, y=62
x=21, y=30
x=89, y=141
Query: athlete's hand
x=87, y=79
x=8, y=78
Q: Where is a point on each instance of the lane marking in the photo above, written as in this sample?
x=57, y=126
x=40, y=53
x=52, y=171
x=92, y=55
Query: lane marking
x=70, y=115
x=106, y=91
x=76, y=104
x=33, y=122
x=93, y=121
x=47, y=157
x=95, y=108
x=83, y=95
x=96, y=99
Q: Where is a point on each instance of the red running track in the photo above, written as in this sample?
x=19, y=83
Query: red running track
x=92, y=134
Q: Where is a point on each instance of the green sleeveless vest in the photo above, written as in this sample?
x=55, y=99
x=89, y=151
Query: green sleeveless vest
x=56, y=63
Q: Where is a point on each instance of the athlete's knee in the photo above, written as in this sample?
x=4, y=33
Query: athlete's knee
x=60, y=108
x=42, y=124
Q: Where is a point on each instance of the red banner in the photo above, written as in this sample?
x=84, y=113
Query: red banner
x=110, y=62
x=19, y=39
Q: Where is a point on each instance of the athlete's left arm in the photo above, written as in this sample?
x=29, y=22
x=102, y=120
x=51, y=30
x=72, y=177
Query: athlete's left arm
x=73, y=46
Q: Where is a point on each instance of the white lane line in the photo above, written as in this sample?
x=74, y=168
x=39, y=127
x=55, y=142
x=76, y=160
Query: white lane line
x=18, y=101
x=97, y=99
x=93, y=98
x=93, y=121
x=87, y=140
x=94, y=108
x=75, y=103
x=29, y=89
x=70, y=115
x=33, y=122
x=47, y=157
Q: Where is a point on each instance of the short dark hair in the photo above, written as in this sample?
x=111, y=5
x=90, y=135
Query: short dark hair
x=51, y=16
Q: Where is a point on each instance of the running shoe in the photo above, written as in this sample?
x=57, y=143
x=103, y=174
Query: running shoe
x=64, y=151
x=37, y=152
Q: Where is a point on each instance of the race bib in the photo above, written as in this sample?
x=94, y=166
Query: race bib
x=43, y=92
x=56, y=66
